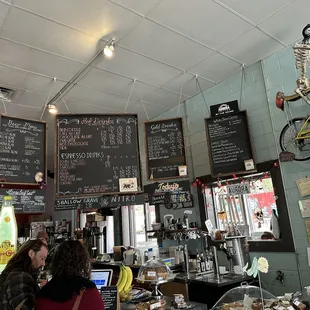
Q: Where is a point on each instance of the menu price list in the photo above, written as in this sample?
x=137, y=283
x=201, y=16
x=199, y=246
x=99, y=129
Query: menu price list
x=94, y=152
x=229, y=143
x=24, y=200
x=22, y=150
x=165, y=147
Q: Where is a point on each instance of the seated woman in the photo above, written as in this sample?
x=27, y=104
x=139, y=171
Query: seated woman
x=70, y=286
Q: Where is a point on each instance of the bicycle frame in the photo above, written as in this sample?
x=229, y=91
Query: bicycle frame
x=304, y=133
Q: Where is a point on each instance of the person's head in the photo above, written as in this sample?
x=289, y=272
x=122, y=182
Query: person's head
x=30, y=257
x=43, y=236
x=71, y=259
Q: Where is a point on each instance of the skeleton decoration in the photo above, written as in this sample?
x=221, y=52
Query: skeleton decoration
x=302, y=56
x=258, y=213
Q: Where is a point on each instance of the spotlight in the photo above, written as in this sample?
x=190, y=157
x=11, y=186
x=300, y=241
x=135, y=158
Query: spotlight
x=52, y=108
x=109, y=49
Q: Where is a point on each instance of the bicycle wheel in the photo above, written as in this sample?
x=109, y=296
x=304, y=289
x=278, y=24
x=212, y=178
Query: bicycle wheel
x=288, y=143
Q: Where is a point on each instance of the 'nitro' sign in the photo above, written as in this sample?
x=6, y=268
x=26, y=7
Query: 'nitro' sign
x=224, y=108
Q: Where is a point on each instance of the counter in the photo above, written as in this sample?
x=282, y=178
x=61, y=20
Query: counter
x=205, y=290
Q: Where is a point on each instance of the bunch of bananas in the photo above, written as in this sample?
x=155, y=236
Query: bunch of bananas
x=124, y=283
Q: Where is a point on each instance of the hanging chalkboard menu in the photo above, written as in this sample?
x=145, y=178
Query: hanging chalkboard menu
x=165, y=151
x=25, y=200
x=229, y=144
x=169, y=192
x=97, y=154
x=98, y=202
x=22, y=150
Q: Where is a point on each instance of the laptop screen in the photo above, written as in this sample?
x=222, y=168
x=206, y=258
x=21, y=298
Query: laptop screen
x=102, y=277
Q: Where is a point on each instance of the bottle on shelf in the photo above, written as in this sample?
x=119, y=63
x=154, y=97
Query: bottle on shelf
x=210, y=259
x=198, y=262
x=203, y=263
x=185, y=221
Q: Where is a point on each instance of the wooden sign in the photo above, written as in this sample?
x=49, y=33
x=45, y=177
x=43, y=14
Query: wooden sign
x=110, y=297
x=97, y=154
x=165, y=150
x=72, y=203
x=229, y=144
x=22, y=150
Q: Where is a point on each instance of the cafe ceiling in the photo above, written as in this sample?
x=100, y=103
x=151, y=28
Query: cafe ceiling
x=160, y=46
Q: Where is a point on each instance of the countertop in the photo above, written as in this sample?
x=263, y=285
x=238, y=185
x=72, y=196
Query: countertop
x=211, y=280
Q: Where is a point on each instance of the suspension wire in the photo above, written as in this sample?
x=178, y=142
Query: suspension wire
x=48, y=98
x=181, y=94
x=203, y=96
x=65, y=103
x=147, y=115
x=243, y=79
x=128, y=99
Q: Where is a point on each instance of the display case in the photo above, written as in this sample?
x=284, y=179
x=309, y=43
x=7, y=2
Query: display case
x=245, y=297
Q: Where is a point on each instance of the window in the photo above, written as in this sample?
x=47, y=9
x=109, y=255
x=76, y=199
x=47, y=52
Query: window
x=253, y=209
x=247, y=203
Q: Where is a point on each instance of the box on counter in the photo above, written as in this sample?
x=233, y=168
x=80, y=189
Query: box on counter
x=94, y=217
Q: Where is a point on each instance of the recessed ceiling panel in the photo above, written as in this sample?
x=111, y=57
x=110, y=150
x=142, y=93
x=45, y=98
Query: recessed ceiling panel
x=149, y=111
x=23, y=111
x=34, y=60
x=115, y=84
x=138, y=67
x=216, y=67
x=203, y=20
x=159, y=43
x=164, y=98
x=32, y=99
x=251, y=47
x=284, y=26
x=101, y=19
x=190, y=85
x=98, y=98
x=36, y=31
x=258, y=10
x=140, y=6
x=4, y=9
x=84, y=108
x=13, y=78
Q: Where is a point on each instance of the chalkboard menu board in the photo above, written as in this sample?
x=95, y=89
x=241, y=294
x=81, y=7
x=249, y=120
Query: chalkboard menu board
x=165, y=150
x=25, y=200
x=98, y=202
x=229, y=143
x=171, y=192
x=97, y=154
x=22, y=150
x=110, y=297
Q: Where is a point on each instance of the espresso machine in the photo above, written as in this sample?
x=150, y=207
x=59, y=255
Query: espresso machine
x=235, y=248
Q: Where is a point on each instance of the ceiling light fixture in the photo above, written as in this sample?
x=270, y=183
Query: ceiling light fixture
x=52, y=109
x=109, y=49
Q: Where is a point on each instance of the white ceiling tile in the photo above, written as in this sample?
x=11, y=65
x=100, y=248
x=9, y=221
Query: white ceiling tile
x=18, y=110
x=251, y=47
x=16, y=79
x=98, y=98
x=140, y=6
x=84, y=108
x=151, y=110
x=190, y=86
x=4, y=9
x=200, y=20
x=33, y=30
x=26, y=58
x=32, y=99
x=216, y=67
x=97, y=18
x=159, y=43
x=256, y=11
x=290, y=30
x=115, y=84
x=133, y=65
x=164, y=98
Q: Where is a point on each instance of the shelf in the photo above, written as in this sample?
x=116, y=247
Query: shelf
x=171, y=231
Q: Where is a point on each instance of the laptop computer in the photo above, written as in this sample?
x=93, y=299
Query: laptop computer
x=101, y=277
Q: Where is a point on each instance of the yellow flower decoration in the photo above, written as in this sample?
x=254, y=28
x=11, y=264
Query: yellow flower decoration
x=263, y=265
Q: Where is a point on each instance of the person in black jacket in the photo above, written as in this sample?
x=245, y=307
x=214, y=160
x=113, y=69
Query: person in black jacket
x=18, y=281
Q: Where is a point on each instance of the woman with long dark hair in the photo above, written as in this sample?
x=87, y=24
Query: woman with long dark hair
x=18, y=281
x=70, y=285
